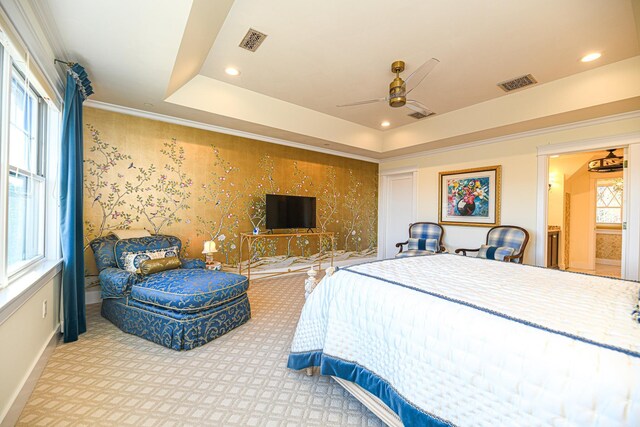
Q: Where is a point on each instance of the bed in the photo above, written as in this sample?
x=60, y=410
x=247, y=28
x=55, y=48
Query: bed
x=452, y=340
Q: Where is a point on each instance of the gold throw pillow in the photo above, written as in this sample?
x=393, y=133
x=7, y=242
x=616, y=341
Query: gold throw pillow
x=150, y=266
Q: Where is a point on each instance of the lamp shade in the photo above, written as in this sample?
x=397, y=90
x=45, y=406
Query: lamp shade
x=209, y=247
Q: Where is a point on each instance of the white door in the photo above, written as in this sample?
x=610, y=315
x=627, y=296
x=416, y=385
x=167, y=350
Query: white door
x=399, y=210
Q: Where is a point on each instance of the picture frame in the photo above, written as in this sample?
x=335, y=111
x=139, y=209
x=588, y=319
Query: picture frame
x=470, y=197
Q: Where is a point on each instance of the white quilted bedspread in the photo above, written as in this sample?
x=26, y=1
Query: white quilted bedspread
x=486, y=343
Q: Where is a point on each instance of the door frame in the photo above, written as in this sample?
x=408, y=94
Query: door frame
x=630, y=268
x=384, y=215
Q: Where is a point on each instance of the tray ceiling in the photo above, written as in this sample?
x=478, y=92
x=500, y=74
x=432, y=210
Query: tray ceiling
x=169, y=58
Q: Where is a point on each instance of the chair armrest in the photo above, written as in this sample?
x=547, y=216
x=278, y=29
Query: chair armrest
x=191, y=263
x=399, y=245
x=464, y=251
x=116, y=282
x=517, y=258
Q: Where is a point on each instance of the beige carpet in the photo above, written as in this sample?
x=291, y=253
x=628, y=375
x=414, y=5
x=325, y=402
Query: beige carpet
x=112, y=378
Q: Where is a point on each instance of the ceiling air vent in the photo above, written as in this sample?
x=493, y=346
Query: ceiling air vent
x=517, y=83
x=252, y=40
x=417, y=115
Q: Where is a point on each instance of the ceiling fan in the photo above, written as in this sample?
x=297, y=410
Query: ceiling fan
x=399, y=89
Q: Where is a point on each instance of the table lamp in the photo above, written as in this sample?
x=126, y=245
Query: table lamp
x=208, y=251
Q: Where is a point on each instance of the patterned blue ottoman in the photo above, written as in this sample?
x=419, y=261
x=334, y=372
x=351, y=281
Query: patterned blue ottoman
x=181, y=309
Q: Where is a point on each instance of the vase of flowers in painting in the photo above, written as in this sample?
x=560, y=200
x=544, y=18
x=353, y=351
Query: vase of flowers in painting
x=466, y=195
x=466, y=208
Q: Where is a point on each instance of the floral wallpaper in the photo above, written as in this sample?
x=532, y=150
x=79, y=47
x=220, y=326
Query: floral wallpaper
x=609, y=246
x=200, y=185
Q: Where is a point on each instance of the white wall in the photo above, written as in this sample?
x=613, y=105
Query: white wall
x=24, y=336
x=518, y=157
x=556, y=198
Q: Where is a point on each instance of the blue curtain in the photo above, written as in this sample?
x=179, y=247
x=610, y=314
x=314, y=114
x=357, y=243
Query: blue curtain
x=78, y=89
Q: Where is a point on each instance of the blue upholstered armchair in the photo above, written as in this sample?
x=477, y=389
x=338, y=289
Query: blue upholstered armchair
x=504, y=243
x=424, y=238
x=180, y=308
x=111, y=253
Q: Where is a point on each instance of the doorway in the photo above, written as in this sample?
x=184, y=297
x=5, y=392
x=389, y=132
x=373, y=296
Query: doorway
x=398, y=210
x=585, y=212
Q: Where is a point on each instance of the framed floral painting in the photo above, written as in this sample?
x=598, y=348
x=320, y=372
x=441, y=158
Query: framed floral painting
x=470, y=197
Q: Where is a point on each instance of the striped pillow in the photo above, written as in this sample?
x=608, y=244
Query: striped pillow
x=423, y=244
x=494, y=252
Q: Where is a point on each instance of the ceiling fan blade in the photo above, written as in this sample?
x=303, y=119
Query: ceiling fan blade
x=420, y=73
x=418, y=107
x=369, y=101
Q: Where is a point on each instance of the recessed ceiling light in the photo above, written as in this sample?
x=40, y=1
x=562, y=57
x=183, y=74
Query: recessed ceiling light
x=591, y=57
x=385, y=124
x=232, y=71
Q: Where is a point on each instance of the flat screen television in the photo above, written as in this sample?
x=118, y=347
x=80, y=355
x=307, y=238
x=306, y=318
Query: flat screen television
x=290, y=212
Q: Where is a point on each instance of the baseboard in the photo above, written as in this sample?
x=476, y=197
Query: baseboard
x=92, y=297
x=21, y=399
x=608, y=261
x=300, y=268
x=581, y=266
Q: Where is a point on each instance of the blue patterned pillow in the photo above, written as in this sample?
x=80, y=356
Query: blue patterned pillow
x=132, y=260
x=416, y=244
x=103, y=248
x=493, y=252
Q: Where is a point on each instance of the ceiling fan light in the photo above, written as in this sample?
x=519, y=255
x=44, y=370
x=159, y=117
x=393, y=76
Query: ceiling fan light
x=397, y=101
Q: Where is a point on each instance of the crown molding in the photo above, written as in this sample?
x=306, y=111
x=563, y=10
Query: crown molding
x=526, y=134
x=30, y=22
x=219, y=129
x=591, y=144
x=44, y=16
x=213, y=128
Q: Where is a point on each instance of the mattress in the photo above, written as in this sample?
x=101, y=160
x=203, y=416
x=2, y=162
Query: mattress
x=452, y=340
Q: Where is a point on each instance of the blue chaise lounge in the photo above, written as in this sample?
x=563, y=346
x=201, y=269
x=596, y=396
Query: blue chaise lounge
x=182, y=308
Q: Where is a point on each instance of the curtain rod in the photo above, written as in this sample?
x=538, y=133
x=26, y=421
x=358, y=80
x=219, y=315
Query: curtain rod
x=68, y=64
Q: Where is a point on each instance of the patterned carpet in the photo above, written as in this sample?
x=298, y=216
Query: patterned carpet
x=240, y=379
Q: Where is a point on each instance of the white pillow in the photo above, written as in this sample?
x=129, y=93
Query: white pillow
x=132, y=260
x=130, y=233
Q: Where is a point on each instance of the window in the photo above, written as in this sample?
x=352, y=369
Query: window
x=26, y=202
x=29, y=145
x=609, y=201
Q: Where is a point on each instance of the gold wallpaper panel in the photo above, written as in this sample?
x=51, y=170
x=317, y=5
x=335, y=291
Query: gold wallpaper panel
x=200, y=185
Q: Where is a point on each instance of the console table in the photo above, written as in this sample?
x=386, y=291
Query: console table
x=251, y=239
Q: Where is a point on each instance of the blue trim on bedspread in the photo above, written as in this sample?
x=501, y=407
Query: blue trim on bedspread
x=497, y=313
x=409, y=414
